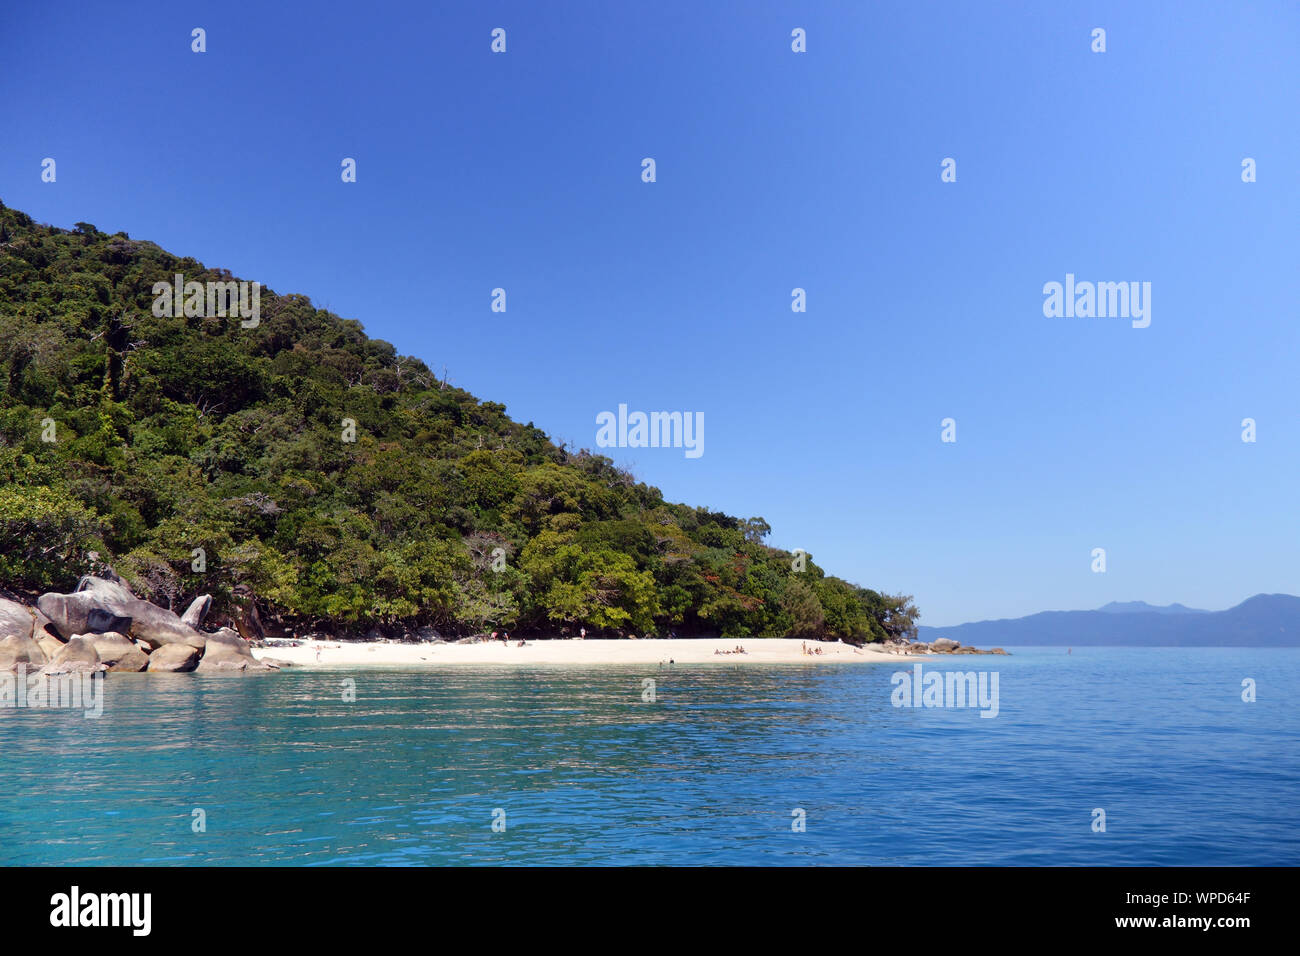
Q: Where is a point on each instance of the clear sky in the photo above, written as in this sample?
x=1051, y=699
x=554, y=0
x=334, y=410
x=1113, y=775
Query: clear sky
x=775, y=170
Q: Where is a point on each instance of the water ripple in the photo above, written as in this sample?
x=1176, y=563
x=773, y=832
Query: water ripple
x=288, y=773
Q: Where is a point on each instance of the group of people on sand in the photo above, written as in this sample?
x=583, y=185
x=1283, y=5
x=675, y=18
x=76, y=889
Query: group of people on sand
x=810, y=650
x=505, y=639
x=738, y=650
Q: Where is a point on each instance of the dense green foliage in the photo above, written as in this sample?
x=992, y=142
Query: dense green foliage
x=172, y=435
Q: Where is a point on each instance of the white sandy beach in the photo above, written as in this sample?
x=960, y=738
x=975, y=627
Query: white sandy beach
x=314, y=653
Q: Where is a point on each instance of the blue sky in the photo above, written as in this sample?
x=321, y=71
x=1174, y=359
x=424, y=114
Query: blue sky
x=775, y=170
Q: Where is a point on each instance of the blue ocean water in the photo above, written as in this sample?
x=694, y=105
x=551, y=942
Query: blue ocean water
x=713, y=771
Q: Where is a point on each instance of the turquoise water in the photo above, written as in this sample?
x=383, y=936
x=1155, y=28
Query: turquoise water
x=710, y=773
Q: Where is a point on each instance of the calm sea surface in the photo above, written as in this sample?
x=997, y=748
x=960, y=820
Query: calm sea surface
x=711, y=772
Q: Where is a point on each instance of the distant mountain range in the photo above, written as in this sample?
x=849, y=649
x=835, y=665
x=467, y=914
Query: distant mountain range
x=1142, y=607
x=1265, y=620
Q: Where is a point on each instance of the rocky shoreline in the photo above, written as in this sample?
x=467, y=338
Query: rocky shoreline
x=942, y=645
x=102, y=626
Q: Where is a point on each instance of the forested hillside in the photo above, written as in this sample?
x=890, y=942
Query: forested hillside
x=194, y=455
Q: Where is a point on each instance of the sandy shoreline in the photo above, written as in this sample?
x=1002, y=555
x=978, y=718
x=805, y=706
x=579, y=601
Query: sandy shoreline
x=589, y=652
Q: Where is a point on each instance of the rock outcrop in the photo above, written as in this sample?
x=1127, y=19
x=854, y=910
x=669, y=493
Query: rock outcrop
x=227, y=651
x=49, y=644
x=16, y=620
x=158, y=627
x=70, y=613
x=78, y=656
x=119, y=652
x=103, y=626
x=110, y=587
x=174, y=658
x=20, y=650
x=101, y=606
x=197, y=611
x=941, y=645
x=21, y=636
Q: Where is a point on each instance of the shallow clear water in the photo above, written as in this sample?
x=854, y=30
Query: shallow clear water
x=288, y=773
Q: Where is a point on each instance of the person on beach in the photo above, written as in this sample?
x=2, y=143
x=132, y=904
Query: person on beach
x=582, y=634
